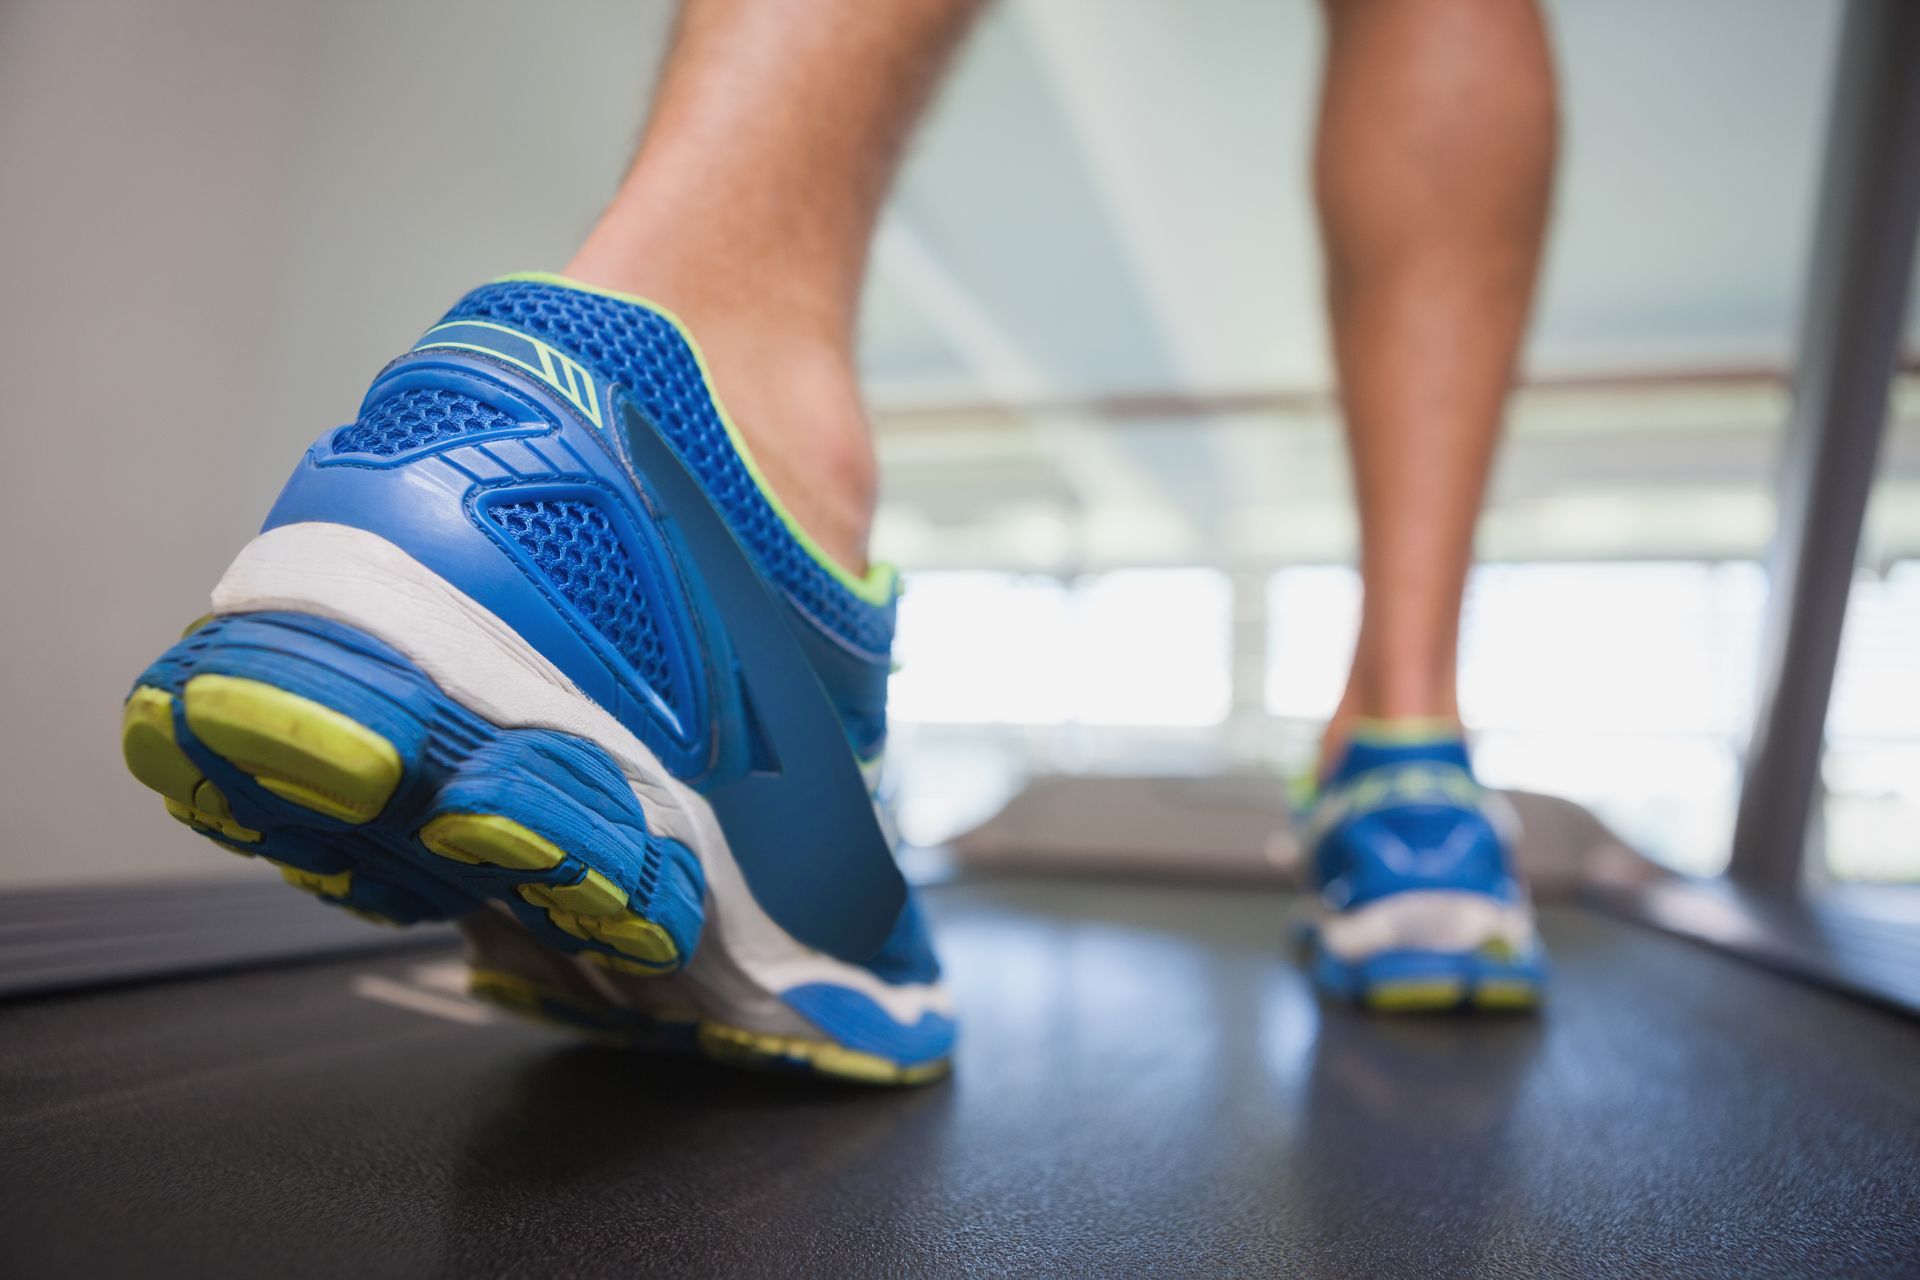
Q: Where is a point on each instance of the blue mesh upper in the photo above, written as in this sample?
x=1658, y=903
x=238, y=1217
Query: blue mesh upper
x=418, y=418
x=573, y=543
x=1364, y=754
x=643, y=354
x=1426, y=833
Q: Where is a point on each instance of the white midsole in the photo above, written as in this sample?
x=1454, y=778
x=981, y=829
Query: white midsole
x=1426, y=920
x=744, y=960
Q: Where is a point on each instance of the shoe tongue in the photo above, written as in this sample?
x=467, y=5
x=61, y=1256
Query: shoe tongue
x=1376, y=748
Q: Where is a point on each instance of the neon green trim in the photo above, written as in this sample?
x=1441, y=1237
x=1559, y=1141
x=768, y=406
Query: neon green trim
x=563, y=373
x=1386, y=731
x=1404, y=731
x=878, y=587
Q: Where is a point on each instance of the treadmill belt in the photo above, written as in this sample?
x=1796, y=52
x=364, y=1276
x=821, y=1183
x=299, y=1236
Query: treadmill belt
x=1145, y=1084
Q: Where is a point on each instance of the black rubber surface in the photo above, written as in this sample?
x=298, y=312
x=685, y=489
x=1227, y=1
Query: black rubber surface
x=60, y=939
x=1145, y=1086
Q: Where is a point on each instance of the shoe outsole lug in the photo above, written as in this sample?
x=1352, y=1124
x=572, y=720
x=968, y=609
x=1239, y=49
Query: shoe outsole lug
x=592, y=895
x=153, y=755
x=761, y=1051
x=1427, y=995
x=715, y=1041
x=337, y=886
x=1450, y=996
x=1488, y=980
x=489, y=840
x=295, y=747
x=1516, y=996
x=513, y=994
x=593, y=909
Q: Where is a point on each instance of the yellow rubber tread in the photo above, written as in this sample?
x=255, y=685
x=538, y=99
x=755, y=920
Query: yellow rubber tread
x=756, y=1048
x=1506, y=995
x=621, y=964
x=716, y=1040
x=294, y=747
x=152, y=754
x=155, y=759
x=594, y=895
x=1416, y=995
x=337, y=885
x=633, y=936
x=595, y=910
x=523, y=999
x=206, y=823
x=509, y=991
x=213, y=815
x=642, y=940
x=489, y=840
x=209, y=799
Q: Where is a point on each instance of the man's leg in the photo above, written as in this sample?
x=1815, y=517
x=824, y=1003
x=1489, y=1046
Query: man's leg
x=540, y=644
x=1434, y=165
x=750, y=209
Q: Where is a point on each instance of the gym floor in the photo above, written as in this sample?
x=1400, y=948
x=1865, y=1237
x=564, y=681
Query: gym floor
x=1145, y=1084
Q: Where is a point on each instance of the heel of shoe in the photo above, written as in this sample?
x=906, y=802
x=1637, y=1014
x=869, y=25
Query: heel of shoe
x=309, y=743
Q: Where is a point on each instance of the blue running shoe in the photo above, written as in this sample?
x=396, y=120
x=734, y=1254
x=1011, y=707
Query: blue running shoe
x=1419, y=907
x=531, y=645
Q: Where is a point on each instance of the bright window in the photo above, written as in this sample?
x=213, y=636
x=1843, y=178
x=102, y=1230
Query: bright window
x=1135, y=647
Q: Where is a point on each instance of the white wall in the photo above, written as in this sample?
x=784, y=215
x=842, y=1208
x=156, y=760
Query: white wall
x=218, y=218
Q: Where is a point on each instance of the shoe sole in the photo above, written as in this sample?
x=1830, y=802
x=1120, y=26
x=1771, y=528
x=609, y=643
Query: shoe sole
x=520, y=763
x=317, y=748
x=516, y=763
x=1489, y=979
x=705, y=1037
x=1424, y=951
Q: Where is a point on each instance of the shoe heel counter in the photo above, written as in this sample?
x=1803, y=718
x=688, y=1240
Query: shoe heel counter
x=1418, y=847
x=494, y=483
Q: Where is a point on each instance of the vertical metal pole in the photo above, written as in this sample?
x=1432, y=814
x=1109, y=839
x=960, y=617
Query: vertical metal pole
x=1855, y=307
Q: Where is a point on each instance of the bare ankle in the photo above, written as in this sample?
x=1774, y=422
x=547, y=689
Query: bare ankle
x=787, y=378
x=1408, y=696
x=801, y=415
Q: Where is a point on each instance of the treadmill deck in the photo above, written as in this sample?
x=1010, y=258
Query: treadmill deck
x=1144, y=1083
